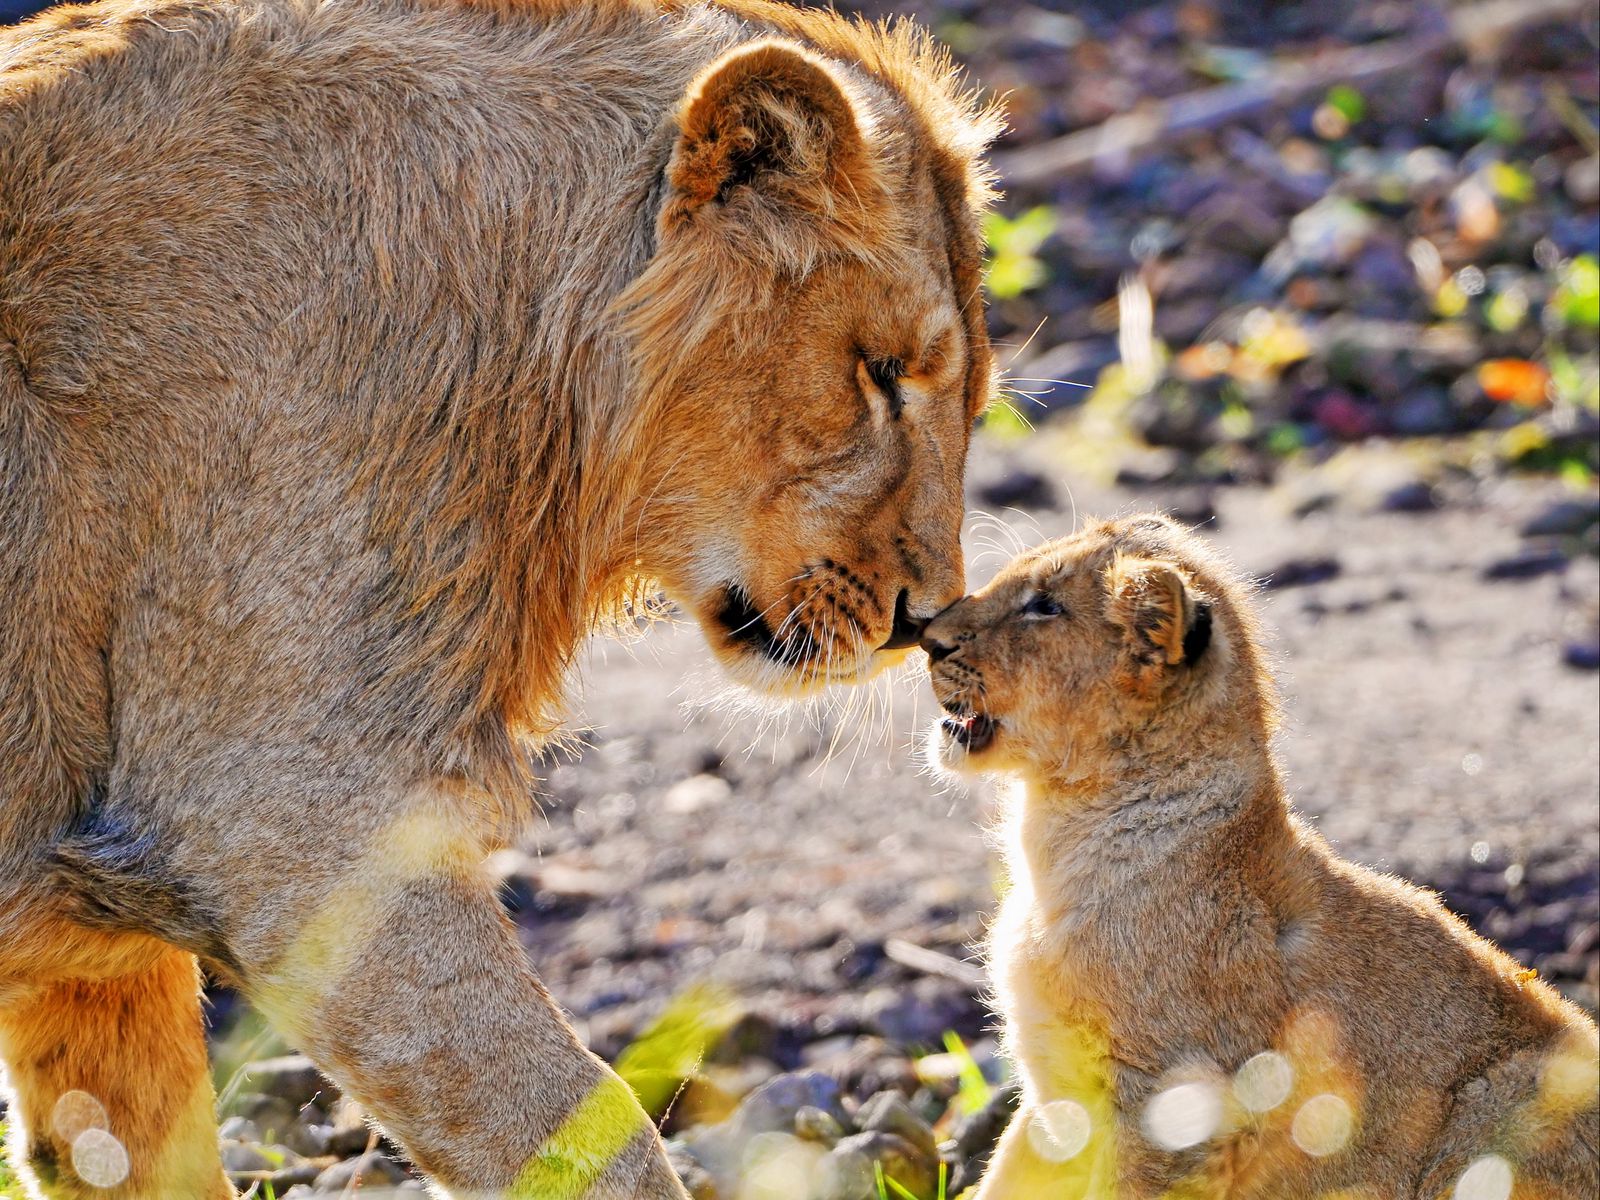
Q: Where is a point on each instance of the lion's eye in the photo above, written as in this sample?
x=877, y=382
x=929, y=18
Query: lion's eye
x=1042, y=606
x=886, y=374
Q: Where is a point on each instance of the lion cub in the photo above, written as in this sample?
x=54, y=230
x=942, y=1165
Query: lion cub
x=1201, y=998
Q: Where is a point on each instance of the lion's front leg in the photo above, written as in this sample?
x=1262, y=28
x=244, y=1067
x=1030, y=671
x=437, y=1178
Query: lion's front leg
x=408, y=986
x=364, y=927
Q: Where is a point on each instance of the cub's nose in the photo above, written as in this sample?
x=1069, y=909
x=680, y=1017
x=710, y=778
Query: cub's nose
x=937, y=648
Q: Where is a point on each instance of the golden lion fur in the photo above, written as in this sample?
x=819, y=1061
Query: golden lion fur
x=357, y=359
x=1201, y=998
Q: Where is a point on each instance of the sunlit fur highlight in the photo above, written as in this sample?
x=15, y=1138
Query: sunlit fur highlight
x=1167, y=918
x=344, y=351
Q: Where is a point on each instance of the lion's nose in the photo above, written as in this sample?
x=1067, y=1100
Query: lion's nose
x=907, y=629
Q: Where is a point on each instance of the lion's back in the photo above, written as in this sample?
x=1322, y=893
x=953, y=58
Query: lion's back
x=242, y=241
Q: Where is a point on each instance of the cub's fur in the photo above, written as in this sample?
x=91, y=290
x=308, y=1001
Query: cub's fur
x=1201, y=998
x=356, y=358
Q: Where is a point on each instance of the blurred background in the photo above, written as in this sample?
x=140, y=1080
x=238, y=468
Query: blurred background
x=1319, y=278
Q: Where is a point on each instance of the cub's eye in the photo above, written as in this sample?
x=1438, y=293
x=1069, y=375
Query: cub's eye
x=1042, y=606
x=886, y=374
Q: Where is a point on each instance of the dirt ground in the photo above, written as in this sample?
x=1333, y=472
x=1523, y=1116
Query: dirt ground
x=1435, y=729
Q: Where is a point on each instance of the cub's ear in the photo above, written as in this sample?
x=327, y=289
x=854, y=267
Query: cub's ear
x=1164, y=623
x=770, y=125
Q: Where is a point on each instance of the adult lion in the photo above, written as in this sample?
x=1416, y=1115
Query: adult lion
x=356, y=356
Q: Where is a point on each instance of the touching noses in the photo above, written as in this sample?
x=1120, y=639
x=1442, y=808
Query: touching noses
x=907, y=629
x=938, y=639
x=908, y=626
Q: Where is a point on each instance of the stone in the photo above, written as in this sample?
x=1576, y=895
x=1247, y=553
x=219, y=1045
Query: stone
x=239, y=1129
x=1301, y=572
x=772, y=1107
x=293, y=1078
x=696, y=793
x=890, y=1112
x=302, y=1174
x=349, y=1134
x=374, y=1169
x=1584, y=655
x=695, y=1177
x=849, y=1172
x=918, y=1015
x=1019, y=488
x=1564, y=518
x=1415, y=496
x=974, y=1136
x=1529, y=562
x=816, y=1125
x=266, y=1113
x=310, y=1138
x=245, y=1156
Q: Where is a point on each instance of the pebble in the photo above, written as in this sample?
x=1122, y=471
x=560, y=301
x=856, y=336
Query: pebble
x=696, y=793
x=293, y=1078
x=1019, y=489
x=1301, y=572
x=311, y=1139
x=917, y=1015
x=848, y=1172
x=1564, y=518
x=242, y=1156
x=267, y=1113
x=239, y=1129
x=974, y=1136
x=1416, y=496
x=773, y=1106
x=1527, y=563
x=817, y=1125
x=1583, y=655
x=699, y=1181
x=889, y=1112
x=367, y=1170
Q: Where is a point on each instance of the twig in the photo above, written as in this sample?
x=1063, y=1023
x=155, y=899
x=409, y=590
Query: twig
x=933, y=962
x=1479, y=25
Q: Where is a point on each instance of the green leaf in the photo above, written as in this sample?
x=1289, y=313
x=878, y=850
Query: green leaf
x=1351, y=104
x=1577, y=300
x=1285, y=439
x=672, y=1048
x=974, y=1090
x=1507, y=310
x=1511, y=182
x=1013, y=246
x=1006, y=420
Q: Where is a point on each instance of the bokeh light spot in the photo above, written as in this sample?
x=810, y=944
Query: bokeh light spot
x=1182, y=1116
x=74, y=1112
x=1488, y=1178
x=1323, y=1125
x=99, y=1158
x=1567, y=1080
x=1060, y=1130
x=776, y=1166
x=1264, y=1082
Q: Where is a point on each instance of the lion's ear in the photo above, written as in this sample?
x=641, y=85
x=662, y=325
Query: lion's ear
x=1164, y=623
x=770, y=125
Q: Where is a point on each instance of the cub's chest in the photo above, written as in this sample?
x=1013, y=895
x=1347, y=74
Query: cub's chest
x=1058, y=1028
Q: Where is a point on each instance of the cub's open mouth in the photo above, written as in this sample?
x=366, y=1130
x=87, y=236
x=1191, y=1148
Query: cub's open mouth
x=746, y=625
x=973, y=731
